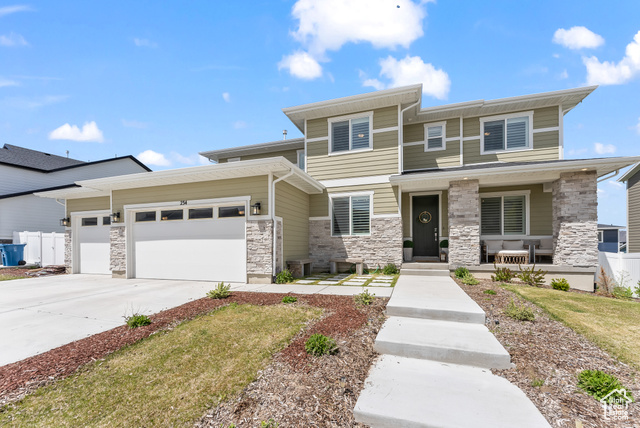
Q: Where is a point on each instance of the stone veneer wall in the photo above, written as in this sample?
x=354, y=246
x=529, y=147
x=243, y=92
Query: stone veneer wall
x=575, y=219
x=464, y=223
x=259, y=250
x=279, y=248
x=68, y=250
x=118, y=259
x=383, y=246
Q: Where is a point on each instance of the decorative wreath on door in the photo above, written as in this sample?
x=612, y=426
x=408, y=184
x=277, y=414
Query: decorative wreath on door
x=424, y=217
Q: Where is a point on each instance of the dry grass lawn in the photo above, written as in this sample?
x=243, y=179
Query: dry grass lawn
x=170, y=378
x=612, y=324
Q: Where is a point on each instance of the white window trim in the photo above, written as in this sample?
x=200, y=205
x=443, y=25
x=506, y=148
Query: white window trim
x=350, y=117
x=444, y=136
x=298, y=152
x=600, y=236
x=350, y=195
x=504, y=117
x=527, y=198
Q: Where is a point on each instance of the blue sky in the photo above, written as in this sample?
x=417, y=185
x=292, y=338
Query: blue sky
x=165, y=80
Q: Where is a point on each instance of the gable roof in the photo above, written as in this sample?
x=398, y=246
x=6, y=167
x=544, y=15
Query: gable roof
x=34, y=160
x=627, y=175
x=254, y=149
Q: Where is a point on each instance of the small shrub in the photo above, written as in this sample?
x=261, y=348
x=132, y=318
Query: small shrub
x=269, y=424
x=289, y=299
x=503, y=274
x=637, y=289
x=284, y=277
x=220, y=292
x=365, y=298
x=319, y=344
x=444, y=243
x=531, y=277
x=598, y=384
x=560, y=284
x=407, y=244
x=519, y=312
x=461, y=272
x=537, y=383
x=137, y=320
x=491, y=292
x=390, y=269
x=605, y=283
x=469, y=279
x=623, y=293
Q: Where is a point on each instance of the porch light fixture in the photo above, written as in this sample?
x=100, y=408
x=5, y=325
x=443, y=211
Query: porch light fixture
x=465, y=178
x=584, y=169
x=255, y=209
x=115, y=217
x=66, y=222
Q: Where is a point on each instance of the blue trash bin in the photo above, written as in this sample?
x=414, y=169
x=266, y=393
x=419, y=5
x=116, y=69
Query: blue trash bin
x=12, y=254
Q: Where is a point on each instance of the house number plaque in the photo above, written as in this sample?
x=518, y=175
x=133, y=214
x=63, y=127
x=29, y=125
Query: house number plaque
x=424, y=217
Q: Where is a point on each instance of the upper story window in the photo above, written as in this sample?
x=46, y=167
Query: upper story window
x=301, y=159
x=506, y=133
x=350, y=133
x=435, y=137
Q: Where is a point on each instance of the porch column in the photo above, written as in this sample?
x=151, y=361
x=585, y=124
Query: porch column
x=575, y=219
x=464, y=223
x=68, y=250
x=118, y=256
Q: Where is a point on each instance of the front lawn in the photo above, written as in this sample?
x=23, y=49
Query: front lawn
x=612, y=324
x=170, y=378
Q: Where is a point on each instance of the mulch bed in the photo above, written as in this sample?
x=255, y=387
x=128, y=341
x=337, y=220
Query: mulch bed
x=293, y=367
x=21, y=272
x=548, y=350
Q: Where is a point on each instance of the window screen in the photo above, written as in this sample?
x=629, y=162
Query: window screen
x=360, y=133
x=360, y=215
x=341, y=216
x=434, y=137
x=514, y=215
x=146, y=216
x=494, y=135
x=517, y=132
x=198, y=213
x=490, y=212
x=90, y=221
x=340, y=136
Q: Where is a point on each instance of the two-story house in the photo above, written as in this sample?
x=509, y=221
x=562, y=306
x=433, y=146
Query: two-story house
x=372, y=171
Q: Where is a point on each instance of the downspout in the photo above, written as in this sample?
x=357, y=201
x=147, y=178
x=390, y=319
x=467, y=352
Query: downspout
x=401, y=133
x=272, y=210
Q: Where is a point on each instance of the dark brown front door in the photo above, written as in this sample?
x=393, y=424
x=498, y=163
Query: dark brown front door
x=426, y=217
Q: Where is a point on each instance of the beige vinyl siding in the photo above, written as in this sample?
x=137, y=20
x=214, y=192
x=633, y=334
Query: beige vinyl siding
x=541, y=209
x=415, y=156
x=255, y=187
x=88, y=204
x=407, y=216
x=633, y=231
x=319, y=205
x=292, y=205
x=382, y=160
x=290, y=155
x=385, y=199
x=546, y=117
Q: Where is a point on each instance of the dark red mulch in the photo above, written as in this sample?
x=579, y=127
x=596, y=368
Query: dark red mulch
x=23, y=376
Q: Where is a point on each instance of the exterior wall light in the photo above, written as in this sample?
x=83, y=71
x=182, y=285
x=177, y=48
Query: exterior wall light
x=255, y=209
x=66, y=222
x=115, y=217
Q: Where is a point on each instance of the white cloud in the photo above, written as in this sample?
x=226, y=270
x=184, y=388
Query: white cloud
x=144, y=43
x=601, y=192
x=8, y=10
x=564, y=74
x=189, y=160
x=574, y=152
x=12, y=40
x=6, y=82
x=577, y=38
x=240, y=124
x=150, y=157
x=615, y=183
x=301, y=65
x=89, y=132
x=134, y=124
x=226, y=97
x=609, y=73
x=411, y=70
x=31, y=103
x=603, y=149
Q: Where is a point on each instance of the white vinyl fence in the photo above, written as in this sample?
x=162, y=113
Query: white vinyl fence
x=44, y=249
x=621, y=265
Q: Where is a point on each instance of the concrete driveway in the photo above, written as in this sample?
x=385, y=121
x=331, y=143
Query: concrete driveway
x=39, y=314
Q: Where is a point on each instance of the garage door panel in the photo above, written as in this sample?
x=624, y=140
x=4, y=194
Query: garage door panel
x=94, y=248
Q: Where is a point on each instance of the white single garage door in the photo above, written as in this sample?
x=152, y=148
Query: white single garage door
x=93, y=246
x=204, y=243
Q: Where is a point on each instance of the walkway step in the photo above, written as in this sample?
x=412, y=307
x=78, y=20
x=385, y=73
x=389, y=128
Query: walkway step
x=407, y=392
x=445, y=341
x=425, y=272
x=425, y=266
x=437, y=298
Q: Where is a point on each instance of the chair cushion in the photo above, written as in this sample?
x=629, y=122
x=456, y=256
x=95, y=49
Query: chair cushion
x=493, y=245
x=546, y=243
x=513, y=245
x=514, y=252
x=544, y=252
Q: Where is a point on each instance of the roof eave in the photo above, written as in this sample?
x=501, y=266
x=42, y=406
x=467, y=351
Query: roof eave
x=627, y=175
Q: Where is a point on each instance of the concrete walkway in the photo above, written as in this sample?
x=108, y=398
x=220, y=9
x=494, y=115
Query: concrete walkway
x=40, y=314
x=434, y=371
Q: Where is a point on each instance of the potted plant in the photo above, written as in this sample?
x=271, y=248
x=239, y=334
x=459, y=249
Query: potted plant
x=407, y=250
x=444, y=250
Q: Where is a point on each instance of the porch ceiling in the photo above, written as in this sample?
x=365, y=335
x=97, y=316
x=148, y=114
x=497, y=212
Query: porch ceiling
x=500, y=174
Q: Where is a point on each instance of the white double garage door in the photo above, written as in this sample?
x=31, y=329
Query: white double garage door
x=182, y=242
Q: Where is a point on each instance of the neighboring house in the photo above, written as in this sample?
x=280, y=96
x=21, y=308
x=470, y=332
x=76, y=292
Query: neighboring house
x=609, y=238
x=371, y=171
x=24, y=172
x=632, y=178
x=623, y=241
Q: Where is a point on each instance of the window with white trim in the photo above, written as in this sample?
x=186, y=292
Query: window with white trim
x=500, y=134
x=503, y=215
x=350, y=133
x=600, y=236
x=435, y=136
x=351, y=215
x=301, y=159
